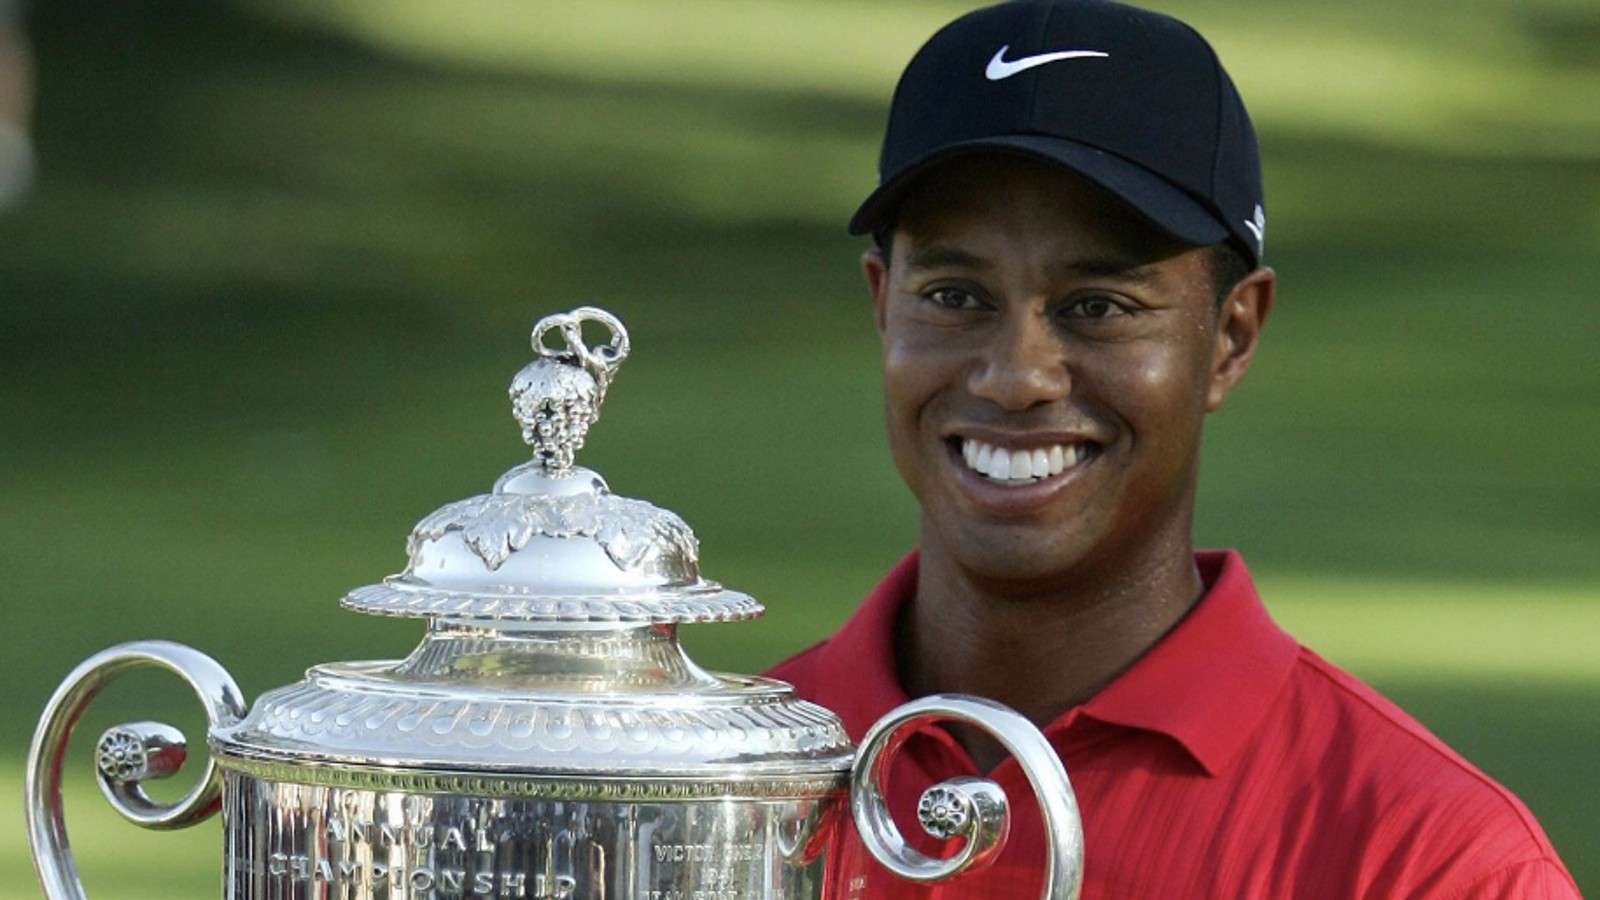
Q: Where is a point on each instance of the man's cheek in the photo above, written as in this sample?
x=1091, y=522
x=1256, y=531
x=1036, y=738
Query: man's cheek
x=910, y=375
x=925, y=354
x=1154, y=385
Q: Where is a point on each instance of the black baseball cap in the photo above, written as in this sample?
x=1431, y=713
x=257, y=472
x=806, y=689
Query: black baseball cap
x=1135, y=101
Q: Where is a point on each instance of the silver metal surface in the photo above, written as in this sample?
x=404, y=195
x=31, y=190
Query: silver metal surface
x=145, y=747
x=551, y=542
x=139, y=751
x=557, y=397
x=549, y=737
x=616, y=702
x=291, y=840
x=972, y=808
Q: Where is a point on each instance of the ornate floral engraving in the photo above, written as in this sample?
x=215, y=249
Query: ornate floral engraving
x=121, y=756
x=636, y=535
x=943, y=812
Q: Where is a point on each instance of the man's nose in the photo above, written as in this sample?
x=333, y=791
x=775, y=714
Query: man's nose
x=1022, y=364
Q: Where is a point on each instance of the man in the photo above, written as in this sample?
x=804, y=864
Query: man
x=1066, y=277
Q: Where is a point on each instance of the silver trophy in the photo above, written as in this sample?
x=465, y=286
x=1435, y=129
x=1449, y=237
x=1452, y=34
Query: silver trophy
x=549, y=738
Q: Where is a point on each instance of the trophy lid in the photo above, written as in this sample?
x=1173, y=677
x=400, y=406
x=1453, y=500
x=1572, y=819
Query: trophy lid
x=551, y=542
x=552, y=657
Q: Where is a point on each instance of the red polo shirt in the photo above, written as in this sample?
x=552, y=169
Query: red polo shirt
x=1229, y=762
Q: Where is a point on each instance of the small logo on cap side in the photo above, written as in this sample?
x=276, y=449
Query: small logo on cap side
x=1000, y=68
x=1258, y=227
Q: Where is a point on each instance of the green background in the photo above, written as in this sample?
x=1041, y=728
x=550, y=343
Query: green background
x=259, y=314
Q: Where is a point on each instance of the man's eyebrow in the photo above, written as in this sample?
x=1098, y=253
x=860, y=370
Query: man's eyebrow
x=1109, y=267
x=941, y=257
x=937, y=257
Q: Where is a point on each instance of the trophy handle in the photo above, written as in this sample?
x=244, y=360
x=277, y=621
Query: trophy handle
x=126, y=754
x=974, y=808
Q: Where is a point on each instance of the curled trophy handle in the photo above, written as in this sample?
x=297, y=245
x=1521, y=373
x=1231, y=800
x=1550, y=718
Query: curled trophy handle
x=125, y=755
x=973, y=808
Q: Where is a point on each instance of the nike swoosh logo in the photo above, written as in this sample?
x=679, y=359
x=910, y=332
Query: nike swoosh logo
x=1258, y=227
x=999, y=67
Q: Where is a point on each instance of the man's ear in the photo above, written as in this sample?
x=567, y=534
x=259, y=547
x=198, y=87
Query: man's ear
x=1239, y=323
x=876, y=268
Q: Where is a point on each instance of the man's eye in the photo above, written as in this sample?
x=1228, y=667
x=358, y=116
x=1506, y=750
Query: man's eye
x=1095, y=308
x=953, y=298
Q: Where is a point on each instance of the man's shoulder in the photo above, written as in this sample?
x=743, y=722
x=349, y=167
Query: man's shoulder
x=1364, y=735
x=1362, y=760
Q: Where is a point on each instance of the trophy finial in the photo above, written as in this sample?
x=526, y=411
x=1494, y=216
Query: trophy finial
x=557, y=396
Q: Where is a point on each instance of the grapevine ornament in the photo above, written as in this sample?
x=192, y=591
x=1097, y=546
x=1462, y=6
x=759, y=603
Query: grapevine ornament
x=557, y=397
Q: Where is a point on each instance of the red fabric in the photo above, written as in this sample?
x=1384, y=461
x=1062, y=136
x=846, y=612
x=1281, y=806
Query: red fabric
x=1228, y=762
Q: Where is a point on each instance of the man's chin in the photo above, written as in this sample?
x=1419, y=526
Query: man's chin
x=1015, y=561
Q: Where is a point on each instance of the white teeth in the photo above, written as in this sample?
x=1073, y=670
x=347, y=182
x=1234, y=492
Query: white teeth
x=1000, y=464
x=1021, y=464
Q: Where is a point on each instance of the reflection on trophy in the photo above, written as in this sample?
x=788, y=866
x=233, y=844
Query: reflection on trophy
x=548, y=738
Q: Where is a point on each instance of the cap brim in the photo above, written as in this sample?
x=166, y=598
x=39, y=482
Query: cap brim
x=1165, y=205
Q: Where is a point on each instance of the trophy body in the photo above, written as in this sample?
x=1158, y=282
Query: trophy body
x=549, y=737
x=671, y=784
x=289, y=839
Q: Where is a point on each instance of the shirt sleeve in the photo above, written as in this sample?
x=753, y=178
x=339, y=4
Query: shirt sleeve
x=1536, y=879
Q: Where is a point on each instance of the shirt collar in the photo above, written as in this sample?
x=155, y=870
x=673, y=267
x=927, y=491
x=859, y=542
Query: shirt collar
x=1211, y=679
x=1206, y=684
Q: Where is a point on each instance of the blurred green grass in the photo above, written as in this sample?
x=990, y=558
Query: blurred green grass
x=259, y=315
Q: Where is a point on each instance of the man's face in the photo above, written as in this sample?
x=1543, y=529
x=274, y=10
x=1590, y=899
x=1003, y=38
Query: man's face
x=1048, y=362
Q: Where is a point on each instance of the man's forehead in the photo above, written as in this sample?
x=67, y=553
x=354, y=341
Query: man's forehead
x=1006, y=199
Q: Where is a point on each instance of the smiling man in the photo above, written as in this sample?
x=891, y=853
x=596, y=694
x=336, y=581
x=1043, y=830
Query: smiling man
x=1067, y=280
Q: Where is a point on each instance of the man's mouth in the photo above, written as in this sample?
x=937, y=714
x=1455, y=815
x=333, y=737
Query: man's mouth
x=1018, y=465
